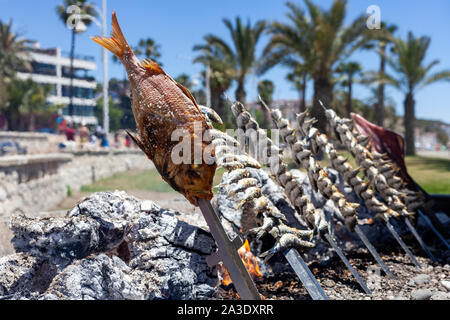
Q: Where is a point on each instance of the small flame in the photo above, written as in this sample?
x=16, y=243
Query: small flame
x=250, y=262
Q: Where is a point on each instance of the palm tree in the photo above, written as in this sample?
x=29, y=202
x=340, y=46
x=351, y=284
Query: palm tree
x=390, y=118
x=116, y=114
x=185, y=80
x=148, y=48
x=382, y=39
x=412, y=75
x=240, y=57
x=86, y=12
x=26, y=99
x=33, y=101
x=13, y=51
x=265, y=91
x=349, y=70
x=220, y=75
x=13, y=57
x=299, y=77
x=321, y=41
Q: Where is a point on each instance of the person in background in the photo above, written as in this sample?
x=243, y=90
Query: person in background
x=70, y=132
x=93, y=138
x=62, y=125
x=104, y=143
x=83, y=131
x=98, y=130
x=103, y=137
x=116, y=140
x=127, y=141
x=92, y=145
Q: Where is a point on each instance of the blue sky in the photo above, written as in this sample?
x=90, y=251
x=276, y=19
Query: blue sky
x=178, y=25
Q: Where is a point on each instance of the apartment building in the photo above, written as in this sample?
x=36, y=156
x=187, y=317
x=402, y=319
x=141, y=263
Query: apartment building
x=51, y=66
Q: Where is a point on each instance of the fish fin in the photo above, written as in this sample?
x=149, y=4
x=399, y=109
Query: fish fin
x=117, y=43
x=186, y=92
x=189, y=95
x=137, y=141
x=152, y=66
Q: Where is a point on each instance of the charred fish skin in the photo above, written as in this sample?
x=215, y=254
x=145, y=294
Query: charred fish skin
x=161, y=107
x=244, y=188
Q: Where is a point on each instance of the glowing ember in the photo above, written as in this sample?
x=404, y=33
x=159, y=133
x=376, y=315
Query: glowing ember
x=250, y=262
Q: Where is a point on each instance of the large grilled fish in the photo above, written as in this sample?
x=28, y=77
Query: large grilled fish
x=160, y=106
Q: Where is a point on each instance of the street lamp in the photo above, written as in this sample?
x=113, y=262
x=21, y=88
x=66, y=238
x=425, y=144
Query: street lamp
x=81, y=27
x=105, y=73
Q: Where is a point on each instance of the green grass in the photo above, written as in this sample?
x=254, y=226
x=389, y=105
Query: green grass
x=431, y=174
x=148, y=180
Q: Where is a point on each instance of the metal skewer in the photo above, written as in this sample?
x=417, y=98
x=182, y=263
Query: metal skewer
x=402, y=243
x=305, y=275
x=227, y=253
x=430, y=224
x=347, y=264
x=419, y=239
x=373, y=251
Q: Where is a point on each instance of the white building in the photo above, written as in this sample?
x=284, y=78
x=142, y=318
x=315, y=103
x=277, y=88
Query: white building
x=51, y=67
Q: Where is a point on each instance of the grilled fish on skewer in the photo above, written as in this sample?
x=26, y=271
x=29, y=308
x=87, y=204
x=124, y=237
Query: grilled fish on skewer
x=244, y=188
x=161, y=106
x=293, y=189
x=398, y=201
x=317, y=176
x=342, y=165
x=368, y=163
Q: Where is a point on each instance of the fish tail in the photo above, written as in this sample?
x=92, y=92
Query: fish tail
x=116, y=43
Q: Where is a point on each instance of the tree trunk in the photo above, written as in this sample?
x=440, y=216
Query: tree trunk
x=349, y=96
x=303, y=93
x=266, y=116
x=216, y=104
x=323, y=91
x=31, y=123
x=379, y=108
x=240, y=91
x=72, y=56
x=409, y=119
x=12, y=118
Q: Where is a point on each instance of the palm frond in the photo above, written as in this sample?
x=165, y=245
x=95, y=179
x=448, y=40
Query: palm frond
x=436, y=77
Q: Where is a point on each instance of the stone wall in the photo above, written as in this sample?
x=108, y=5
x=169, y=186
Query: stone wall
x=35, y=183
x=33, y=142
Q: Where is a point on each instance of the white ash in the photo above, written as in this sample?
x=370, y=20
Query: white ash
x=108, y=248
